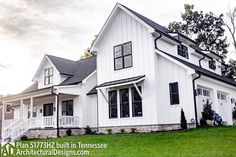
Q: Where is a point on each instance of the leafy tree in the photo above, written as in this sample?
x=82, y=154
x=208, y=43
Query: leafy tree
x=208, y=113
x=183, y=122
x=206, y=29
x=231, y=16
x=230, y=69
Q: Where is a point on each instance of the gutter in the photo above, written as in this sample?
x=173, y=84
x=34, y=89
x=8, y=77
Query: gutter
x=57, y=97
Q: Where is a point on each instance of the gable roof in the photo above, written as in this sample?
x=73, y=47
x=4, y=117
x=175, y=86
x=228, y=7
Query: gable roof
x=205, y=72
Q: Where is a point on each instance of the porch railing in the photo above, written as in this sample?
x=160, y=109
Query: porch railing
x=20, y=126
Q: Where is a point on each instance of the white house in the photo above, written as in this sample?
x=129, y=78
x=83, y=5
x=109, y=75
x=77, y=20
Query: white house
x=142, y=76
x=151, y=73
x=62, y=87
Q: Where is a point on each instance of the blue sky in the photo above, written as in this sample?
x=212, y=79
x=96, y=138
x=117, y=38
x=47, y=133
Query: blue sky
x=31, y=28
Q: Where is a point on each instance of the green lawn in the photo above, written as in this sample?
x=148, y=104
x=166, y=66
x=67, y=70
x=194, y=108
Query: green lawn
x=202, y=142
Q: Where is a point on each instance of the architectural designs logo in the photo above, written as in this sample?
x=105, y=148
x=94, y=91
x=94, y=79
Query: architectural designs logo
x=7, y=149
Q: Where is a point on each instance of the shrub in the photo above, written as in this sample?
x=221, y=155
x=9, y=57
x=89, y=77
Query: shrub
x=133, y=130
x=24, y=138
x=183, y=122
x=68, y=132
x=234, y=113
x=88, y=130
x=109, y=131
x=122, y=131
x=208, y=113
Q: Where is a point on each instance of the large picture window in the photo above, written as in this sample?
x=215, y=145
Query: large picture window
x=124, y=103
x=48, y=76
x=112, y=104
x=123, y=56
x=174, y=93
x=67, y=108
x=136, y=103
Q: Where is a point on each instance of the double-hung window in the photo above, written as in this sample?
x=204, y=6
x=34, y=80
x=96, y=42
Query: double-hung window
x=174, y=93
x=67, y=108
x=136, y=103
x=183, y=51
x=124, y=103
x=112, y=104
x=48, y=76
x=123, y=56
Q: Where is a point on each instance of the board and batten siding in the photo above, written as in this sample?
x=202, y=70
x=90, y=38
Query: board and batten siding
x=169, y=72
x=125, y=28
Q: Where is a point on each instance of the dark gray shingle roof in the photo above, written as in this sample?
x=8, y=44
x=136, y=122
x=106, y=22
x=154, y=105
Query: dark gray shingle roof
x=121, y=81
x=92, y=91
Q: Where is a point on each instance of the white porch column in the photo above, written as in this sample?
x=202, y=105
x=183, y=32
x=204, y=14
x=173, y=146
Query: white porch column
x=3, y=114
x=21, y=109
x=31, y=107
x=55, y=111
x=215, y=101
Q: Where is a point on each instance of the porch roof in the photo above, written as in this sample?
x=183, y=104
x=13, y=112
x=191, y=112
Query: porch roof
x=122, y=81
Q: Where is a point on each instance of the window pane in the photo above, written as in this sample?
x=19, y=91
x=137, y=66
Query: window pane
x=112, y=96
x=127, y=48
x=50, y=79
x=218, y=95
x=118, y=63
x=124, y=103
x=50, y=72
x=174, y=93
x=128, y=61
x=136, y=103
x=118, y=51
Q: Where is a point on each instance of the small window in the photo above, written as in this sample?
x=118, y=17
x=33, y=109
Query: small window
x=218, y=95
x=124, y=103
x=174, y=93
x=34, y=111
x=67, y=108
x=112, y=95
x=221, y=96
x=206, y=93
x=48, y=76
x=136, y=103
x=123, y=56
x=212, y=64
x=183, y=51
x=199, y=91
x=8, y=108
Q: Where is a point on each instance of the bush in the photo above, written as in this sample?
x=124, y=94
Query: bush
x=122, y=131
x=234, y=113
x=109, y=131
x=24, y=138
x=68, y=132
x=183, y=122
x=88, y=130
x=133, y=130
x=208, y=113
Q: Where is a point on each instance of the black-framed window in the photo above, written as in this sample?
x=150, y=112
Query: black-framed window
x=8, y=108
x=48, y=76
x=48, y=109
x=67, y=108
x=174, y=93
x=123, y=56
x=124, y=103
x=112, y=96
x=212, y=64
x=34, y=111
x=136, y=102
x=183, y=51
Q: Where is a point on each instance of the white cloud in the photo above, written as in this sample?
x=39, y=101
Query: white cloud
x=31, y=28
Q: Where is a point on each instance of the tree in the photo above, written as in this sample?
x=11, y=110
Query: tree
x=208, y=113
x=183, y=122
x=206, y=29
x=87, y=53
x=231, y=16
x=230, y=69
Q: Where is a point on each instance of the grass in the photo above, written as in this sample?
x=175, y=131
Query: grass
x=202, y=142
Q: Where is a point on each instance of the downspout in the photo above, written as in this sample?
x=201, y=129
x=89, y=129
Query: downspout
x=57, y=97
x=194, y=91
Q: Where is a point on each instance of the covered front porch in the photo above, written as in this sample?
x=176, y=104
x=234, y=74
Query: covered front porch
x=40, y=109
